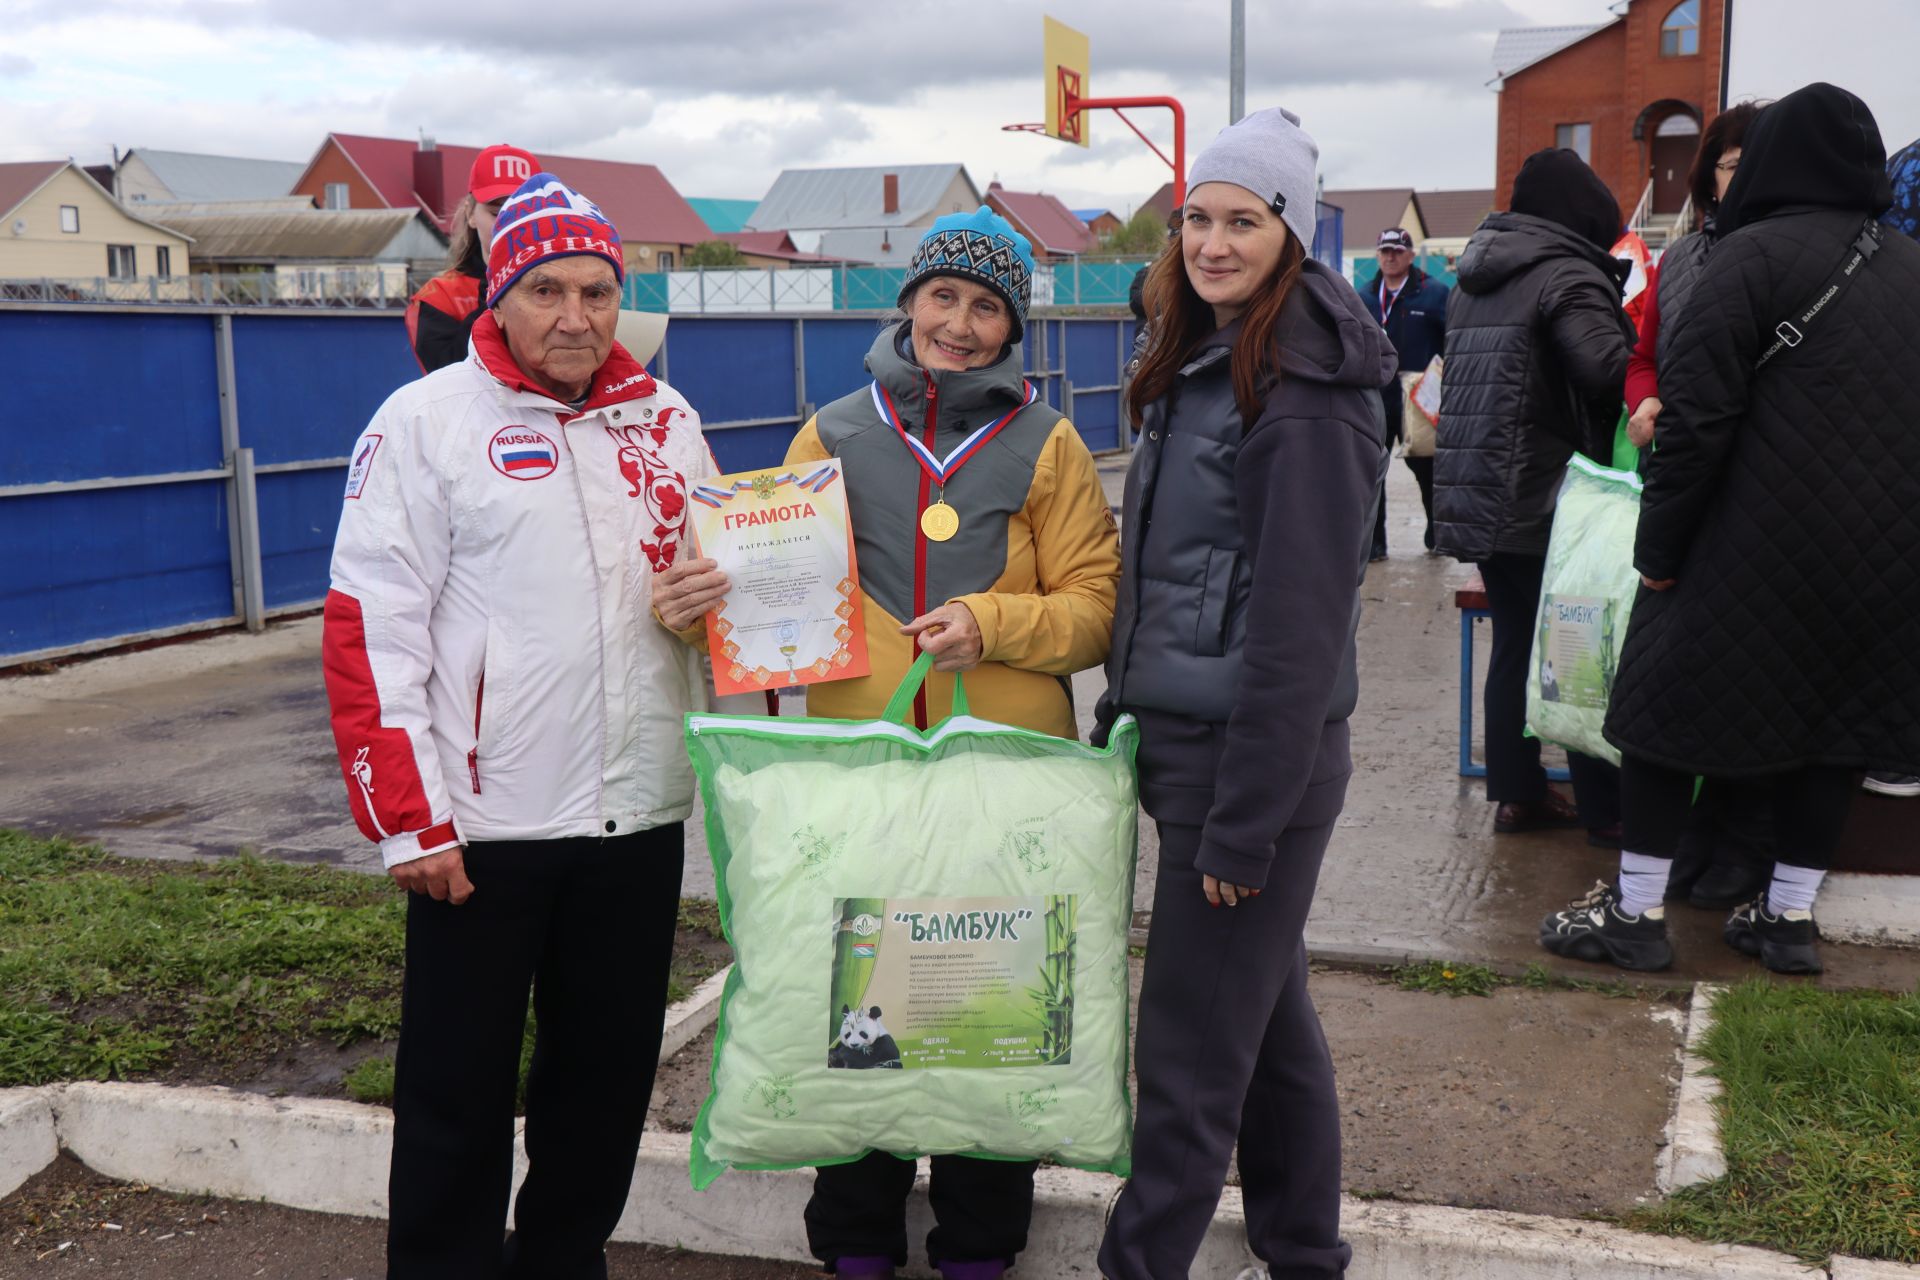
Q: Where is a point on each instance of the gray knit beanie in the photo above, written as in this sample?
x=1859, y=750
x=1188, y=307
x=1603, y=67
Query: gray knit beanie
x=1270, y=155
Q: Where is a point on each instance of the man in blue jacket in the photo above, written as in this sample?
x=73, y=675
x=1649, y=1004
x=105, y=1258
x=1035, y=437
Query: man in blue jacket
x=1412, y=308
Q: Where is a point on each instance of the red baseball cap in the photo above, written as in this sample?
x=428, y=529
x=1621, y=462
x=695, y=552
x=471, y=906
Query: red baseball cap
x=498, y=172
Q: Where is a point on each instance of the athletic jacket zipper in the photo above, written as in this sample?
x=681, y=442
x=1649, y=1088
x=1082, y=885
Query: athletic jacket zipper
x=473, y=756
x=920, y=541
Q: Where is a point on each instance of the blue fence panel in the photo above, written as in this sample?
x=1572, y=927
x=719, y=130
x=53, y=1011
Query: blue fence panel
x=308, y=385
x=111, y=394
x=731, y=367
x=1093, y=356
x=299, y=512
x=837, y=356
x=112, y=562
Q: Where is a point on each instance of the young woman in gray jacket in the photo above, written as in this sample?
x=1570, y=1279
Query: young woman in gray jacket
x=1249, y=513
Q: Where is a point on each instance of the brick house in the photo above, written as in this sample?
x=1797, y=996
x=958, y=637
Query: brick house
x=1631, y=95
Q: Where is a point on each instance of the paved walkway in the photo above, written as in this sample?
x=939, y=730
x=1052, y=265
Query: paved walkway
x=199, y=749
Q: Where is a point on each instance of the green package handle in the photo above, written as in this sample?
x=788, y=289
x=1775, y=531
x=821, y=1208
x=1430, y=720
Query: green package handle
x=902, y=701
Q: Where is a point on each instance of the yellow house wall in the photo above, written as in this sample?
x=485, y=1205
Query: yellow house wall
x=43, y=250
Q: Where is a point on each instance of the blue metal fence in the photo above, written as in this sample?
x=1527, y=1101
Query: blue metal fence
x=175, y=468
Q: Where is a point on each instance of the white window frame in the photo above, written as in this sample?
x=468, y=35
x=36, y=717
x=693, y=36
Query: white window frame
x=74, y=220
x=114, y=260
x=1576, y=137
x=337, y=196
x=1681, y=32
x=163, y=261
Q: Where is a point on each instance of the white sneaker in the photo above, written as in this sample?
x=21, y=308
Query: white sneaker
x=1892, y=784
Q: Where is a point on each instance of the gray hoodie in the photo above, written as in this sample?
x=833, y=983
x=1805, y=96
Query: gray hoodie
x=1243, y=548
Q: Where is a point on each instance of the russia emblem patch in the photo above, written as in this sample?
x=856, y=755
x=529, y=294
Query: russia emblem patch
x=361, y=464
x=521, y=453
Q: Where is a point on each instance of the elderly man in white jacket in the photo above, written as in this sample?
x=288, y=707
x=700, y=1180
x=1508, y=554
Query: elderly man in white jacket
x=508, y=720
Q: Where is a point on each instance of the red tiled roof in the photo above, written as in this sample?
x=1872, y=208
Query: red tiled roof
x=20, y=180
x=772, y=244
x=637, y=197
x=1040, y=217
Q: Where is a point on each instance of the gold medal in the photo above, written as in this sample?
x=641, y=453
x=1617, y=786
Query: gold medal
x=939, y=522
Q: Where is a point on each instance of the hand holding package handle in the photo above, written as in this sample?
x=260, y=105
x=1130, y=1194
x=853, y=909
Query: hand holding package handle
x=930, y=939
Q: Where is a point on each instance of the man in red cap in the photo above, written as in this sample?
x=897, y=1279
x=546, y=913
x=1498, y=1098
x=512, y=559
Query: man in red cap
x=440, y=316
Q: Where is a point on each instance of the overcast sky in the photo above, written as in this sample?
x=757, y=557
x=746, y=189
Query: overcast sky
x=723, y=94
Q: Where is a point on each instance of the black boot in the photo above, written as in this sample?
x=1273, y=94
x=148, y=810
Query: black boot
x=1595, y=928
x=1785, y=943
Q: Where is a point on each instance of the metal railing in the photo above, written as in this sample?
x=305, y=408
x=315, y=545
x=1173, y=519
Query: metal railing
x=1069, y=282
x=327, y=288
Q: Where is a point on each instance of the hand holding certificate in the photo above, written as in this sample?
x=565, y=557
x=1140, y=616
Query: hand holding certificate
x=791, y=615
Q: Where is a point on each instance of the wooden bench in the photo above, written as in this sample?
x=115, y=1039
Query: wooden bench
x=1471, y=601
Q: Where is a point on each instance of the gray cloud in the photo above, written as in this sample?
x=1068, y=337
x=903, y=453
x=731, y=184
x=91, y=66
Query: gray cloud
x=13, y=64
x=862, y=52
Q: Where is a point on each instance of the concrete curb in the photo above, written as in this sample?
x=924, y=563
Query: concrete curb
x=1873, y=910
x=28, y=1142
x=686, y=1020
x=331, y=1157
x=1693, y=1153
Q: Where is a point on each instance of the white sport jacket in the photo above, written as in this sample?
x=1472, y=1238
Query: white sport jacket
x=492, y=663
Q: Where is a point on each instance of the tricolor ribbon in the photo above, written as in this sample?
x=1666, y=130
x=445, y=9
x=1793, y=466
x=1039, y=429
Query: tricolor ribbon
x=813, y=482
x=943, y=470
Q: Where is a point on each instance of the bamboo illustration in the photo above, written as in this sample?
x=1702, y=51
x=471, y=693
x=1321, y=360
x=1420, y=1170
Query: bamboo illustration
x=851, y=974
x=1054, y=995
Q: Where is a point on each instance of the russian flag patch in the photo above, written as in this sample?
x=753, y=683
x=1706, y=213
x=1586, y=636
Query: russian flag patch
x=521, y=453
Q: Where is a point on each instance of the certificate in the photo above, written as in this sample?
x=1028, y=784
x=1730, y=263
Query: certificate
x=792, y=616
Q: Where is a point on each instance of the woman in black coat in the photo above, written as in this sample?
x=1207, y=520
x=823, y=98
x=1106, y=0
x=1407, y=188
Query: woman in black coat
x=1537, y=348
x=1778, y=634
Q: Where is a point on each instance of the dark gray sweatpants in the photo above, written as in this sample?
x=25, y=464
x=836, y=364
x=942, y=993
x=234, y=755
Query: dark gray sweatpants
x=1229, y=1049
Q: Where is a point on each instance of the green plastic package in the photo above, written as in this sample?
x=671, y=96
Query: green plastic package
x=930, y=939
x=1585, y=603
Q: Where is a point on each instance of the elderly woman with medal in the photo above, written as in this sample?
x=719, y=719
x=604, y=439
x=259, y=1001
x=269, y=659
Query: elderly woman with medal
x=983, y=538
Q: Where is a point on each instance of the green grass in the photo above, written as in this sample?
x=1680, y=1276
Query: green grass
x=115, y=968
x=111, y=968
x=1820, y=1120
x=1446, y=978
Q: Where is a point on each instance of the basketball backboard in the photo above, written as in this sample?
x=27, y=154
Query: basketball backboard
x=1065, y=53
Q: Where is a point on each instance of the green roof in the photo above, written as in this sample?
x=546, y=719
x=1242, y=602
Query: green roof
x=723, y=216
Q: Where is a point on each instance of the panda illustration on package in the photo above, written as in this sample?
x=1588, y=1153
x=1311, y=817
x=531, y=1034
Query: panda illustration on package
x=864, y=1042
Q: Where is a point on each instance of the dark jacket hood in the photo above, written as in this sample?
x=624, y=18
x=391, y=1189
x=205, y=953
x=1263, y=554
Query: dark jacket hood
x=1817, y=147
x=1557, y=185
x=1325, y=334
x=1508, y=243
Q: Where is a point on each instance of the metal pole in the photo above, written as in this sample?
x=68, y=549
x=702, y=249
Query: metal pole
x=248, y=519
x=229, y=451
x=800, y=369
x=1237, y=64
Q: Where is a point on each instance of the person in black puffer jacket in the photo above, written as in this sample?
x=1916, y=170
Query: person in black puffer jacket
x=1778, y=634
x=1536, y=354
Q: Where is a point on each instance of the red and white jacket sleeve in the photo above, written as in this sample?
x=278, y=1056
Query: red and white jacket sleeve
x=389, y=562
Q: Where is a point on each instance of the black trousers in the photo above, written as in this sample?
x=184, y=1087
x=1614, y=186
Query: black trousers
x=981, y=1209
x=586, y=924
x=1514, y=773
x=1422, y=469
x=1809, y=811
x=1229, y=1050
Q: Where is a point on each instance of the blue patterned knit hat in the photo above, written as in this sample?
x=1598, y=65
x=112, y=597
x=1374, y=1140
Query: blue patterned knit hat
x=981, y=246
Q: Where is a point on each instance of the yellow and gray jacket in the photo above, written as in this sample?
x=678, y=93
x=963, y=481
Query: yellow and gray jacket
x=1036, y=559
